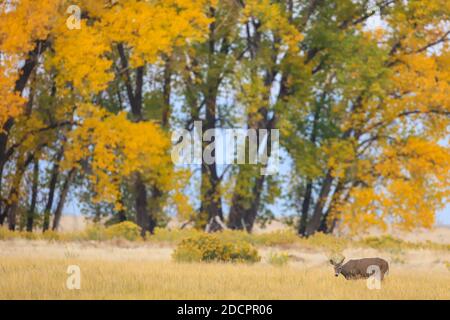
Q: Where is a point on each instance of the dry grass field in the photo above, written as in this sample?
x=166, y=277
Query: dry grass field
x=38, y=270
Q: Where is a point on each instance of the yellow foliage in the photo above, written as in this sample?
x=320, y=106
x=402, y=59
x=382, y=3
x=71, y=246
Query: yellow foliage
x=116, y=147
x=167, y=23
x=22, y=24
x=81, y=58
x=11, y=102
x=211, y=248
x=273, y=19
x=126, y=230
x=416, y=180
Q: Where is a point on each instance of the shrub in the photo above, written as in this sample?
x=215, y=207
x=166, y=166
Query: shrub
x=278, y=259
x=94, y=232
x=212, y=248
x=187, y=253
x=126, y=230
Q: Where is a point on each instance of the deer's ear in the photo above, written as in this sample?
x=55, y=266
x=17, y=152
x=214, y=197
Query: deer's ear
x=331, y=261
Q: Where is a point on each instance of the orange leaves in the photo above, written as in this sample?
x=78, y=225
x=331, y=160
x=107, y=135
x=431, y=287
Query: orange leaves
x=114, y=148
x=150, y=29
x=22, y=23
x=364, y=210
x=10, y=103
x=25, y=22
x=421, y=78
x=360, y=104
x=408, y=178
x=80, y=57
x=80, y=61
x=413, y=180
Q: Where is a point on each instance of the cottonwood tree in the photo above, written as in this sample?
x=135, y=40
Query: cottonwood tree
x=365, y=135
x=82, y=61
x=363, y=110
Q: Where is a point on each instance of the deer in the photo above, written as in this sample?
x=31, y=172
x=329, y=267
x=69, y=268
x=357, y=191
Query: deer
x=359, y=268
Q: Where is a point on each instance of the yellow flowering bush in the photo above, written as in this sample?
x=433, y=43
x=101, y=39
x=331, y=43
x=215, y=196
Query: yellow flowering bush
x=126, y=230
x=211, y=248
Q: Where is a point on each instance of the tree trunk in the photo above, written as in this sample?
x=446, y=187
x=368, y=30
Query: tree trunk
x=167, y=91
x=143, y=216
x=309, y=185
x=211, y=204
x=211, y=213
x=51, y=190
x=305, y=208
x=34, y=191
x=143, y=219
x=314, y=223
x=252, y=213
x=243, y=212
x=12, y=216
x=14, y=194
x=2, y=217
x=242, y=215
x=156, y=196
x=327, y=226
x=62, y=199
x=34, y=187
x=239, y=204
x=134, y=96
x=122, y=215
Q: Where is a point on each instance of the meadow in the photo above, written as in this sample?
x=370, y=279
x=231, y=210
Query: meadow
x=123, y=269
x=346, y=107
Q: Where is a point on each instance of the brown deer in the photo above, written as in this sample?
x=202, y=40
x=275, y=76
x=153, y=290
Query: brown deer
x=359, y=268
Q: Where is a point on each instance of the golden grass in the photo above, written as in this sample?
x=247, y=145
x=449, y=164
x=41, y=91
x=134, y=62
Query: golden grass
x=36, y=269
x=45, y=278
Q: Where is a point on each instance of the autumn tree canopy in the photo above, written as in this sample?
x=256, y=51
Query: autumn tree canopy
x=358, y=89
